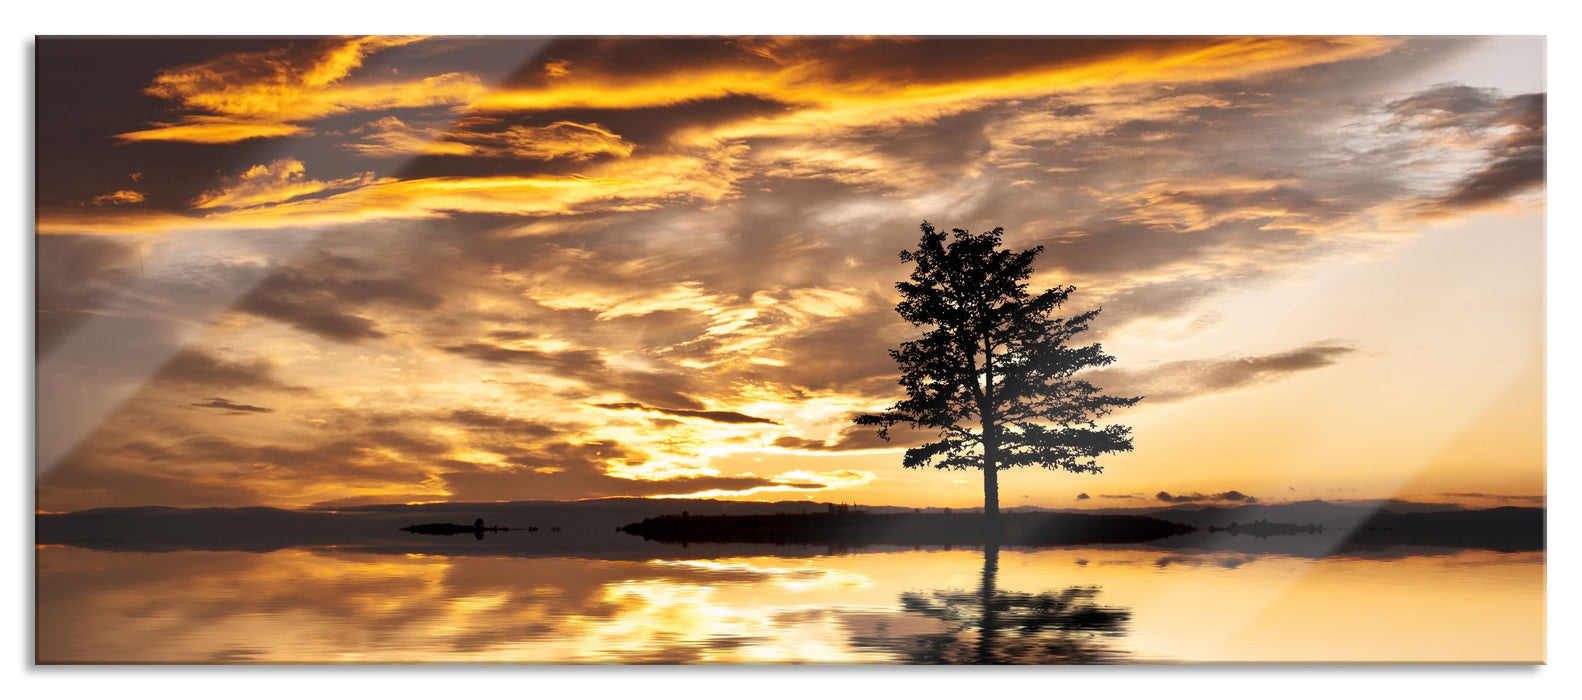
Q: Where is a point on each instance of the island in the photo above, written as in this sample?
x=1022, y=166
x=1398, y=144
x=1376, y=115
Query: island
x=840, y=526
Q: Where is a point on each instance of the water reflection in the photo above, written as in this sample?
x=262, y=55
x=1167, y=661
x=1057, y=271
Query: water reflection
x=993, y=626
x=993, y=606
x=324, y=606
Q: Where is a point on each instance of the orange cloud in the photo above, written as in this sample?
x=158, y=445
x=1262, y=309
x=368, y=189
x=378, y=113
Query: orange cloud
x=105, y=223
x=563, y=140
x=276, y=195
x=270, y=94
x=209, y=129
x=267, y=94
x=117, y=197
x=834, y=96
x=390, y=136
x=280, y=181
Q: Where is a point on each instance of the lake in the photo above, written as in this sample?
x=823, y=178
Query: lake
x=795, y=605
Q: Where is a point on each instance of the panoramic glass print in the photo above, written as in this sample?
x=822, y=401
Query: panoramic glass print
x=763, y=350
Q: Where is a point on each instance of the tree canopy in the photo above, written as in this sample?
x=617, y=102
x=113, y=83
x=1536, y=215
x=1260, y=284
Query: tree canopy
x=993, y=373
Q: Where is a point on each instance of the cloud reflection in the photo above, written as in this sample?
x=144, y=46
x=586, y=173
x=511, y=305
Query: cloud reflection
x=333, y=605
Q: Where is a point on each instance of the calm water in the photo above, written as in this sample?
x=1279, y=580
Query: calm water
x=1086, y=605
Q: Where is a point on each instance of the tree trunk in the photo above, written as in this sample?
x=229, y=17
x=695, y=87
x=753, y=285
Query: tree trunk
x=991, y=490
x=992, y=527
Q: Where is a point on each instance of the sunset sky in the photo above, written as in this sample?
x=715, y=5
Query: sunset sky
x=323, y=272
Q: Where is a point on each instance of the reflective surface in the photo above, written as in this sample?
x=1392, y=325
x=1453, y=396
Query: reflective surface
x=1076, y=605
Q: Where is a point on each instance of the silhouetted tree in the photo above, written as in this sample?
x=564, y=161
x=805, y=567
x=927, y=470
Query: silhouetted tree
x=993, y=373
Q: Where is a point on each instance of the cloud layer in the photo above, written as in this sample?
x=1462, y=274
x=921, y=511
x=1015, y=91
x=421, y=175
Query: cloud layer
x=405, y=269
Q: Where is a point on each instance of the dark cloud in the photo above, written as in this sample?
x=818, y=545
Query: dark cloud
x=1510, y=175
x=198, y=368
x=319, y=295
x=1177, y=381
x=483, y=420
x=1083, y=497
x=1450, y=106
x=569, y=362
x=1512, y=129
x=792, y=442
x=716, y=416
x=1231, y=496
x=233, y=408
x=342, y=327
x=670, y=390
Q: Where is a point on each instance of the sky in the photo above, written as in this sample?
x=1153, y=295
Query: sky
x=337, y=271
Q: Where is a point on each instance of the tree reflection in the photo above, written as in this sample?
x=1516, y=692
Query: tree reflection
x=991, y=626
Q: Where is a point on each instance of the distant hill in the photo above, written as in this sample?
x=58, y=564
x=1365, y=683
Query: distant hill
x=1506, y=529
x=1360, y=527
x=1330, y=515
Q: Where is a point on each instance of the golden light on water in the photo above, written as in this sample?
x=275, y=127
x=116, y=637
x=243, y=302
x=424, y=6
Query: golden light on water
x=308, y=607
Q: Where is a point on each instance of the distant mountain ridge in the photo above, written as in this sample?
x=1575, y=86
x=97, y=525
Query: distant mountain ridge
x=1356, y=527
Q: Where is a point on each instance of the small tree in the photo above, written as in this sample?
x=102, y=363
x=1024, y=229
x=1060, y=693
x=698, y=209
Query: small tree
x=992, y=372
